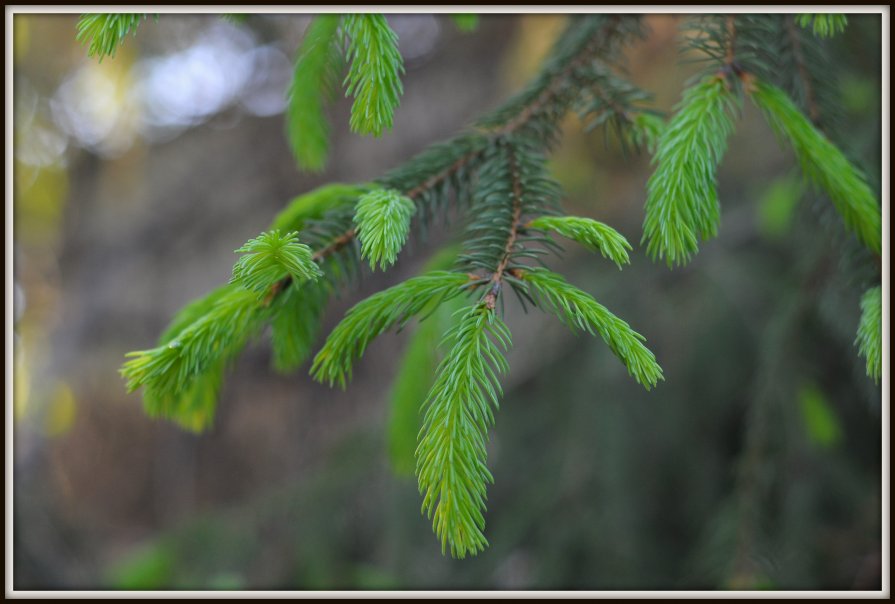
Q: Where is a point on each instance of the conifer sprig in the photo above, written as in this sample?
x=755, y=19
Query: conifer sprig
x=214, y=331
x=452, y=448
x=823, y=25
x=579, y=310
x=594, y=235
x=375, y=315
x=417, y=371
x=271, y=257
x=374, y=78
x=383, y=223
x=682, y=201
x=870, y=332
x=823, y=163
x=105, y=32
x=314, y=80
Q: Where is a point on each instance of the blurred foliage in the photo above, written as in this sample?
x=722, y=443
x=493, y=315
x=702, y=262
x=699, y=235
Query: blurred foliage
x=820, y=420
x=776, y=206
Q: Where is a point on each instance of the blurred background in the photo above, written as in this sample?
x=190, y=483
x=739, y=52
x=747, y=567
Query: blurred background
x=755, y=465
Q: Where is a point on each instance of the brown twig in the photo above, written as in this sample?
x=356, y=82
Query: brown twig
x=497, y=276
x=731, y=39
x=813, y=110
x=552, y=89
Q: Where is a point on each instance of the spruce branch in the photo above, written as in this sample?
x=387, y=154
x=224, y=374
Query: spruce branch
x=579, y=310
x=823, y=25
x=313, y=82
x=594, y=235
x=682, y=201
x=822, y=163
x=269, y=258
x=105, y=32
x=374, y=78
x=452, y=449
x=417, y=370
x=214, y=331
x=380, y=312
x=383, y=223
x=870, y=332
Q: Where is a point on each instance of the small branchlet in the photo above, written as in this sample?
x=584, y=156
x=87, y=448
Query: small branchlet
x=380, y=312
x=181, y=376
x=870, y=332
x=823, y=163
x=105, y=32
x=452, y=448
x=579, y=310
x=374, y=78
x=383, y=223
x=314, y=80
x=595, y=236
x=682, y=201
x=823, y=25
x=269, y=258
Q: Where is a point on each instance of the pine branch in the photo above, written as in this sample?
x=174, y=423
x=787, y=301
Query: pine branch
x=105, y=32
x=314, y=80
x=269, y=258
x=374, y=78
x=870, y=331
x=180, y=376
x=453, y=442
x=823, y=25
x=417, y=370
x=327, y=219
x=823, y=163
x=383, y=223
x=375, y=315
x=594, y=235
x=682, y=201
x=579, y=310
